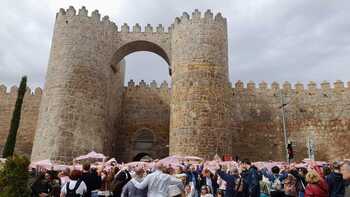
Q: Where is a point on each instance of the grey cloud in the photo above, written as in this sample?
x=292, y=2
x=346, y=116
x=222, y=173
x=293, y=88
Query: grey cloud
x=269, y=40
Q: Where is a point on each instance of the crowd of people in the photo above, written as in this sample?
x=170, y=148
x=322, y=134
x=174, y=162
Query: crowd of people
x=190, y=180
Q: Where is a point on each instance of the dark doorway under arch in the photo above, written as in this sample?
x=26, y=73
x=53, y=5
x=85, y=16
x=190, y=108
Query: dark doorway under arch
x=139, y=156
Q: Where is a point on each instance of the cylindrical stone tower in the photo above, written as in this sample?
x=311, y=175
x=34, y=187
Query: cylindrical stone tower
x=73, y=115
x=199, y=119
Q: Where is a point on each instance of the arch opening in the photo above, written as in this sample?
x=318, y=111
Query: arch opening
x=143, y=145
x=140, y=45
x=142, y=157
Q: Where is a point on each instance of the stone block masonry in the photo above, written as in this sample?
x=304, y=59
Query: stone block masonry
x=30, y=111
x=320, y=112
x=84, y=105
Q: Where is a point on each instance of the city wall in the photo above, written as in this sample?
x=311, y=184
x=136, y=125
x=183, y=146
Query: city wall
x=316, y=112
x=30, y=110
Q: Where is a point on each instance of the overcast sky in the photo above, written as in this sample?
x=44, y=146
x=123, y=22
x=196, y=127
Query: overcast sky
x=271, y=40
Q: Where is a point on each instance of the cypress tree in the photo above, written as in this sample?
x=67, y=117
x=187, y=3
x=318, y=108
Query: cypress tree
x=16, y=117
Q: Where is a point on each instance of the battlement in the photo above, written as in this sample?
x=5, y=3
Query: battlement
x=95, y=18
x=12, y=91
x=153, y=85
x=197, y=17
x=311, y=88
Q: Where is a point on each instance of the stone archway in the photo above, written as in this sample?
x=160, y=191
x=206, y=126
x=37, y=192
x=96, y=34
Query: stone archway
x=144, y=141
x=140, y=45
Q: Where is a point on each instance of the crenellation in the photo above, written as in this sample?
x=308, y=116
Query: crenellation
x=251, y=87
x=96, y=15
x=61, y=12
x=164, y=85
x=38, y=91
x=142, y=84
x=325, y=86
x=3, y=89
x=177, y=20
x=13, y=90
x=105, y=19
x=208, y=15
x=196, y=15
x=263, y=86
x=131, y=84
x=71, y=11
x=299, y=87
x=275, y=86
x=239, y=86
x=339, y=86
x=220, y=18
x=83, y=12
x=312, y=88
x=125, y=28
x=136, y=28
x=153, y=84
x=287, y=87
x=160, y=28
x=185, y=16
x=149, y=28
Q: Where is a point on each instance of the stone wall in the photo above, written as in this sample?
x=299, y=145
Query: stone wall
x=29, y=114
x=318, y=113
x=145, y=107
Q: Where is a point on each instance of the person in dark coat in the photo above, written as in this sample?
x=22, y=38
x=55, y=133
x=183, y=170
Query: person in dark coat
x=335, y=182
x=230, y=182
x=91, y=179
x=251, y=179
x=41, y=185
x=119, y=181
x=210, y=180
x=192, y=175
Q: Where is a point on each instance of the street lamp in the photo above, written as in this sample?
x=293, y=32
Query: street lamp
x=284, y=125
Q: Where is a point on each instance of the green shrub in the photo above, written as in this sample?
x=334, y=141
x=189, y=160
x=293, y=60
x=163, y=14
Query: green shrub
x=14, y=177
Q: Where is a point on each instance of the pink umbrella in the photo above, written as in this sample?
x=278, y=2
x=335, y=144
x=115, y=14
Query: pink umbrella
x=91, y=155
x=45, y=164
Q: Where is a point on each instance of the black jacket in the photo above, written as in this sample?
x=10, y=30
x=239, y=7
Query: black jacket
x=336, y=184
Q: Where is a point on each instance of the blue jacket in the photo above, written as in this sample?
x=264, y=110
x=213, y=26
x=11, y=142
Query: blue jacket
x=251, y=180
x=230, y=183
x=336, y=184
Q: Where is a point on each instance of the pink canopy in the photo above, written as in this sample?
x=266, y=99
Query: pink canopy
x=176, y=159
x=48, y=165
x=45, y=164
x=91, y=155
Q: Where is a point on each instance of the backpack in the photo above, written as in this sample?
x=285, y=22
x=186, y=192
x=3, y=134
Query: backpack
x=276, y=184
x=239, y=185
x=72, y=193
